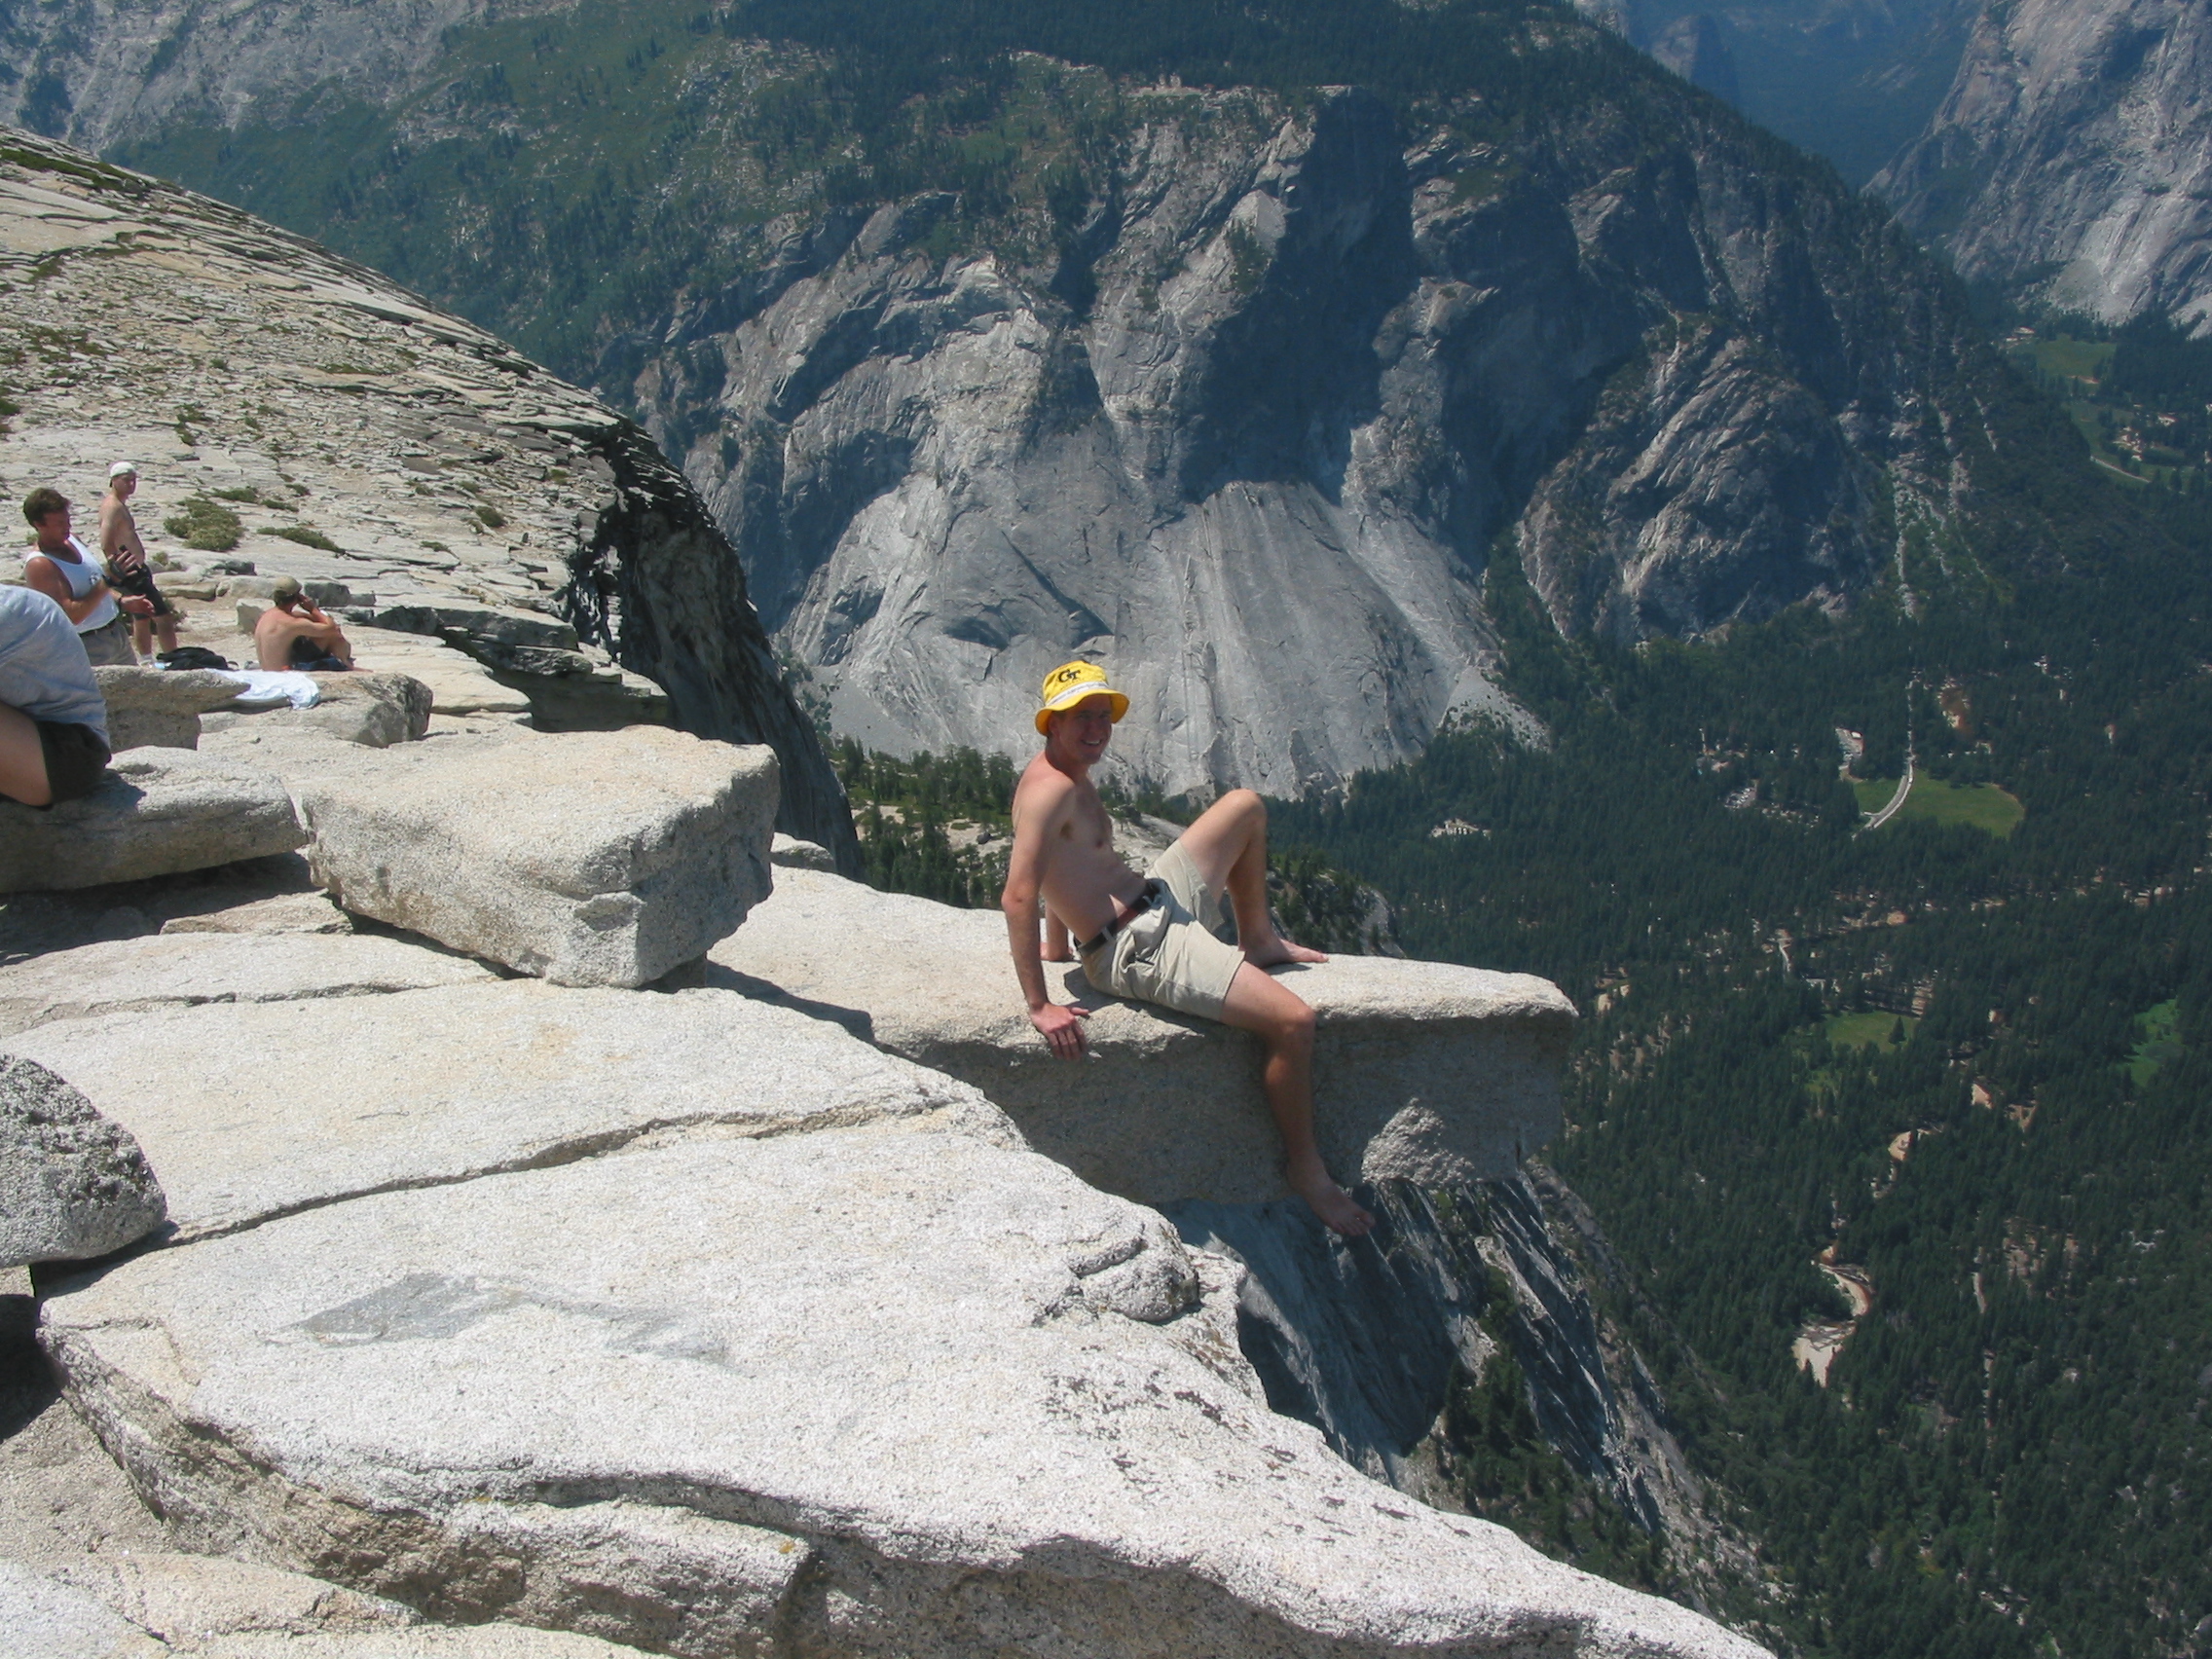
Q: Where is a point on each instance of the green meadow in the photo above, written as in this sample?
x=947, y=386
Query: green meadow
x=1984, y=806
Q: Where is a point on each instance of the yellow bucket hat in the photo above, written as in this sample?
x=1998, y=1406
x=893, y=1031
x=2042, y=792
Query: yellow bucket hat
x=1070, y=684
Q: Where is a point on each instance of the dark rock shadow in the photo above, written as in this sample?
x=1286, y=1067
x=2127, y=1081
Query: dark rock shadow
x=857, y=1022
x=27, y=1384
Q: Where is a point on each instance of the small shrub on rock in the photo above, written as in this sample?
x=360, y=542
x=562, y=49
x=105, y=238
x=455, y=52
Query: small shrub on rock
x=306, y=535
x=207, y=525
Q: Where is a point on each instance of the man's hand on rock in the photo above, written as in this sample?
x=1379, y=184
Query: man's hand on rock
x=1062, y=1027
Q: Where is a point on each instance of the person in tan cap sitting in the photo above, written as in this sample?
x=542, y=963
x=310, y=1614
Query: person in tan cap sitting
x=293, y=633
x=1139, y=935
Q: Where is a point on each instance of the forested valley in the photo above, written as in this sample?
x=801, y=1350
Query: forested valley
x=1922, y=1102
x=1962, y=1058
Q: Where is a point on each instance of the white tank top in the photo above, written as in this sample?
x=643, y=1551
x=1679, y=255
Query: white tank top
x=81, y=578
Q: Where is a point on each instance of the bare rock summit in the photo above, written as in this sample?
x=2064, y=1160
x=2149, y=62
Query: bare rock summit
x=300, y=412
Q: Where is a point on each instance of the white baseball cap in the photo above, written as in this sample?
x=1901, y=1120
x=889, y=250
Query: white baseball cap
x=121, y=469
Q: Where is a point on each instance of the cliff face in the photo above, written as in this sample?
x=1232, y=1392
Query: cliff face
x=99, y=72
x=2072, y=162
x=1253, y=434
x=1240, y=390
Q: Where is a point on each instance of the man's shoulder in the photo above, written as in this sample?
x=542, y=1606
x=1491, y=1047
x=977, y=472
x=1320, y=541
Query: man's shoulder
x=1044, y=787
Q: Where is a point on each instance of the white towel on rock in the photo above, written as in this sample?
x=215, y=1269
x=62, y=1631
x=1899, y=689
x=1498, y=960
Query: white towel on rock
x=265, y=689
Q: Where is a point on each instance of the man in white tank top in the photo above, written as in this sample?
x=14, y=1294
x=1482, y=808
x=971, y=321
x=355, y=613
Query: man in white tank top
x=60, y=567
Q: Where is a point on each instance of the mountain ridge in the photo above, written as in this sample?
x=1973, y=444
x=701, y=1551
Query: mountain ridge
x=1460, y=274
x=2070, y=167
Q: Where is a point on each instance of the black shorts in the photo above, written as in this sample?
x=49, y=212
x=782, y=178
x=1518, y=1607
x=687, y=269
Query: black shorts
x=138, y=581
x=75, y=758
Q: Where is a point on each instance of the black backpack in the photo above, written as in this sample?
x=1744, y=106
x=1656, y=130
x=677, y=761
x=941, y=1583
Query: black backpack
x=192, y=656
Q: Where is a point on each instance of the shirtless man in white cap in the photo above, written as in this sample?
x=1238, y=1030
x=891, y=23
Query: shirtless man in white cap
x=125, y=556
x=1139, y=936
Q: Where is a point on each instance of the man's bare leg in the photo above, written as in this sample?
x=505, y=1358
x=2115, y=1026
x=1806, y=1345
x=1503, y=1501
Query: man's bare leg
x=22, y=760
x=1284, y=1024
x=1229, y=843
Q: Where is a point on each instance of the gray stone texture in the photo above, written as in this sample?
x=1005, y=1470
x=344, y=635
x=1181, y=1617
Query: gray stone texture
x=284, y=913
x=1422, y=1072
x=256, y=1109
x=157, y=812
x=42, y=1619
x=129, y=977
x=1627, y=353
x=585, y=858
x=373, y=710
x=73, y=1185
x=866, y=1392
x=459, y=683
x=152, y=706
x=2070, y=165
x=179, y=1606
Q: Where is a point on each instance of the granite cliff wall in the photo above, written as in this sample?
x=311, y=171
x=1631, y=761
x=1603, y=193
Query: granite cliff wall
x=1294, y=381
x=2070, y=165
x=1246, y=395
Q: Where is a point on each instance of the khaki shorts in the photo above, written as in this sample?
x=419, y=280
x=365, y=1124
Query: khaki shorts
x=109, y=645
x=1166, y=956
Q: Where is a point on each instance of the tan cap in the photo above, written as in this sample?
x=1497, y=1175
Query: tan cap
x=285, y=590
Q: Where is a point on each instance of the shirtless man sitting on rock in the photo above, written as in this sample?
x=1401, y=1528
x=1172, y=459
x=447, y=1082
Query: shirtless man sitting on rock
x=294, y=633
x=1140, y=933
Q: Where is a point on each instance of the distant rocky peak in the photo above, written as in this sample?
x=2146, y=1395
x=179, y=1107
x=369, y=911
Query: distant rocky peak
x=1251, y=427
x=2070, y=165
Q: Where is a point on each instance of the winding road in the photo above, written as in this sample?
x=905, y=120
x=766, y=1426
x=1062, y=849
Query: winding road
x=1905, y=788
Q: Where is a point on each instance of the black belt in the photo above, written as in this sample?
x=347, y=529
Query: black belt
x=1153, y=892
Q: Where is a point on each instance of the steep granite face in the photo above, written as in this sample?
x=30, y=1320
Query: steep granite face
x=1252, y=435
x=112, y=69
x=2072, y=162
x=1240, y=390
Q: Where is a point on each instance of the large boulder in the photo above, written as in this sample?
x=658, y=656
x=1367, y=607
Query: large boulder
x=374, y=710
x=878, y=1391
x=459, y=683
x=135, y=977
x=72, y=1184
x=253, y=1109
x=159, y=707
x=585, y=858
x=1422, y=1071
x=157, y=811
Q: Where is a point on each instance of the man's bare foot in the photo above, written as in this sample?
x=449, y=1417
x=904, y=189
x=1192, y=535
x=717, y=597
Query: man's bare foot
x=1274, y=955
x=1330, y=1201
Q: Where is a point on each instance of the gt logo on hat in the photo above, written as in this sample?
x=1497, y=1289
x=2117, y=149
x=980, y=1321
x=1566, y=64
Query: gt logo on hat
x=1070, y=684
